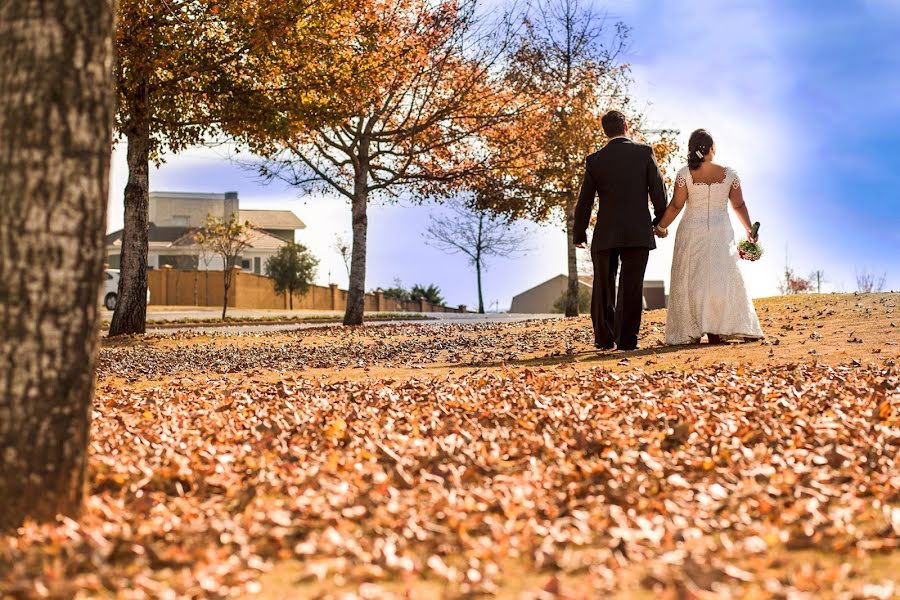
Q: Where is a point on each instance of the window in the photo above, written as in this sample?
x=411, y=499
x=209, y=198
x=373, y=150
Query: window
x=181, y=220
x=245, y=264
x=257, y=264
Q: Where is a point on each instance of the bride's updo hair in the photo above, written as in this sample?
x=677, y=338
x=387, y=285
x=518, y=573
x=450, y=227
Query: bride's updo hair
x=698, y=146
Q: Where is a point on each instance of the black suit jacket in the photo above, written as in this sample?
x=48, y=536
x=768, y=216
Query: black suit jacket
x=622, y=175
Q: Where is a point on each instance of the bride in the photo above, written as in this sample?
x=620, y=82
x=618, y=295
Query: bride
x=708, y=294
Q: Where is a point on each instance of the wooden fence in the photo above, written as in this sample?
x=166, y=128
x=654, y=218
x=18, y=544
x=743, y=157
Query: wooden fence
x=175, y=287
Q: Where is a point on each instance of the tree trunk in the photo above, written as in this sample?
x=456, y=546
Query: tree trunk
x=480, y=297
x=572, y=287
x=56, y=115
x=130, y=316
x=356, y=296
x=478, y=263
x=291, y=298
x=226, y=283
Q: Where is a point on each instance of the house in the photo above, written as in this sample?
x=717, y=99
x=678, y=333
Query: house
x=540, y=298
x=175, y=218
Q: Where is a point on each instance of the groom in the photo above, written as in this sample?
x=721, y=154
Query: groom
x=621, y=175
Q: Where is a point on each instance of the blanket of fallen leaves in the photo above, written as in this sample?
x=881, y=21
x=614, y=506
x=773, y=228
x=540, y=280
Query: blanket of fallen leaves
x=451, y=461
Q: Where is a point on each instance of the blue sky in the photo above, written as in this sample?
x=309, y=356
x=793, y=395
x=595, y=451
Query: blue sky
x=803, y=99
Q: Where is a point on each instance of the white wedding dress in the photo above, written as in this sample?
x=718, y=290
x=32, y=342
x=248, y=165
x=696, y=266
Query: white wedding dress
x=707, y=293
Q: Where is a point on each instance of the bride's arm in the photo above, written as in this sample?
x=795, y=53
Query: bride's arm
x=679, y=197
x=736, y=196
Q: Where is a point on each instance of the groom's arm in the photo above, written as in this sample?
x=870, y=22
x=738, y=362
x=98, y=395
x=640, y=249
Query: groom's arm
x=584, y=206
x=656, y=188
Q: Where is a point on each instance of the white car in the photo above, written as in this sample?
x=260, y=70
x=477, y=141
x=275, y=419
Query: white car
x=111, y=289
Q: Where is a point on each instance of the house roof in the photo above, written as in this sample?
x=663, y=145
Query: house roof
x=584, y=280
x=272, y=219
x=264, y=241
x=258, y=238
x=189, y=195
x=587, y=281
x=155, y=234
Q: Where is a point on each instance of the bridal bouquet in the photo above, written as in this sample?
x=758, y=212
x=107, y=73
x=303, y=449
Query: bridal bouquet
x=750, y=250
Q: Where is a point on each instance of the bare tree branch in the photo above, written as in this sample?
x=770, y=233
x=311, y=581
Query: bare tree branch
x=477, y=234
x=868, y=283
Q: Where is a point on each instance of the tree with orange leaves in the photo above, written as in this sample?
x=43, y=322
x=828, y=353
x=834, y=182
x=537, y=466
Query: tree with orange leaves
x=565, y=69
x=187, y=70
x=424, y=90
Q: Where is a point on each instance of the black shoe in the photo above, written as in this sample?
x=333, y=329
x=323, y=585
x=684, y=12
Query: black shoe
x=604, y=346
x=629, y=348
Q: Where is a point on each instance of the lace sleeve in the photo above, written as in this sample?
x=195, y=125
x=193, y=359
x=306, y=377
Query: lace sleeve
x=680, y=179
x=735, y=181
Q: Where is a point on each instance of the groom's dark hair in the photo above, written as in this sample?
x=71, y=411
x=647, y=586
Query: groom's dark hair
x=613, y=123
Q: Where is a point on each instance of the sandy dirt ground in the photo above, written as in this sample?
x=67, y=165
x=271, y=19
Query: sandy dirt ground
x=828, y=329
x=481, y=459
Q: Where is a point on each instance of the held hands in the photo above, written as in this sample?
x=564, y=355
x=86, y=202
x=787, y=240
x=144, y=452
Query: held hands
x=657, y=231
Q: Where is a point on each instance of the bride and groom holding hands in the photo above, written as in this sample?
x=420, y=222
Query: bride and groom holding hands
x=707, y=294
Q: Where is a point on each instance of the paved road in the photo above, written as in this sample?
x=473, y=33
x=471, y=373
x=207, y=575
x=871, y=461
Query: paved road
x=201, y=313
x=175, y=313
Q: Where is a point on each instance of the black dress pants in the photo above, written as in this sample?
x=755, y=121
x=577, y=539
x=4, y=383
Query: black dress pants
x=617, y=316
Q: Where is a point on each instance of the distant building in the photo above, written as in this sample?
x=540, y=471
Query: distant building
x=175, y=218
x=540, y=298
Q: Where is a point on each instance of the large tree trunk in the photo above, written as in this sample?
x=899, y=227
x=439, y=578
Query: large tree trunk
x=130, y=316
x=572, y=287
x=356, y=296
x=56, y=115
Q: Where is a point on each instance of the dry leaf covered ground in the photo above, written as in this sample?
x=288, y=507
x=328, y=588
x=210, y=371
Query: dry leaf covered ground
x=445, y=461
